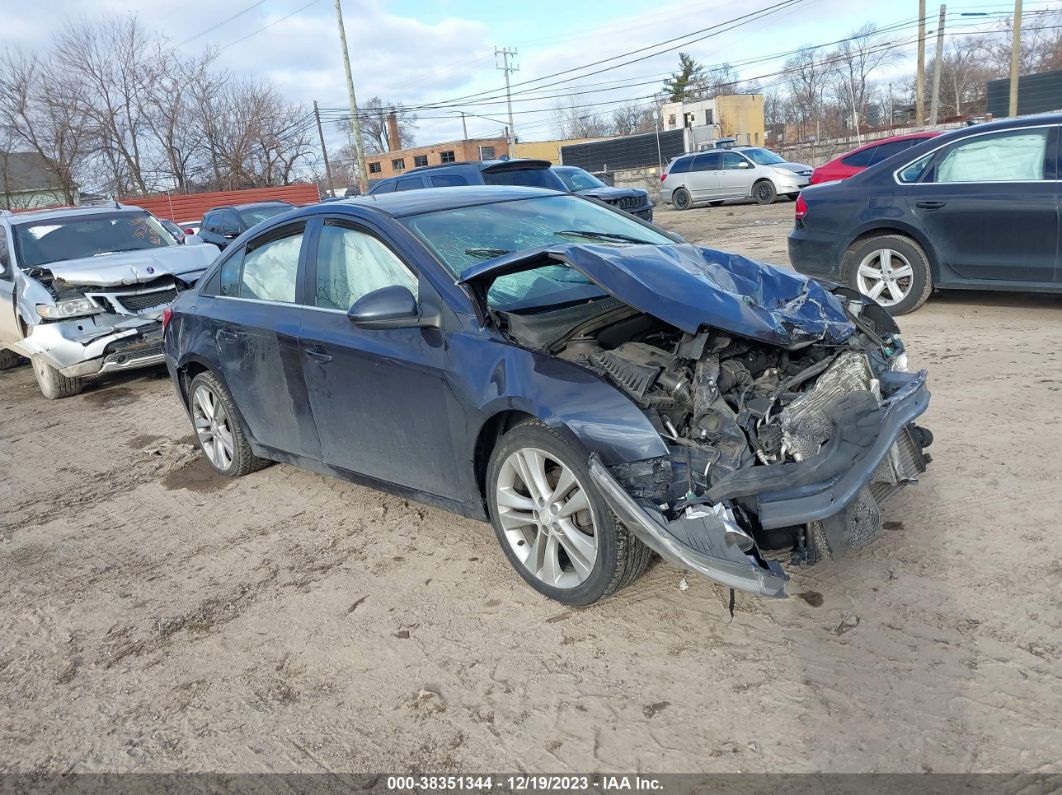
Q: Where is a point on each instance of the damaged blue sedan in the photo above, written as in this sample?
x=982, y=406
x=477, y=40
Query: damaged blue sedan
x=597, y=389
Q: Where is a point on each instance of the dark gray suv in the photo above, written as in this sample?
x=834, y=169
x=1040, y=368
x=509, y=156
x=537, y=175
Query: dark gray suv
x=521, y=173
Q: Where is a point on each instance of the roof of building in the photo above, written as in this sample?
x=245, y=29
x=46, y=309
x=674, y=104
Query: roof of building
x=26, y=171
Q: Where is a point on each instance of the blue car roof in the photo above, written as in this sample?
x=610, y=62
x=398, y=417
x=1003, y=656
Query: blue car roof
x=414, y=202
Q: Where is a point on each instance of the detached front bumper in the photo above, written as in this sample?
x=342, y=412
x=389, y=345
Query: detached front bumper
x=708, y=539
x=98, y=344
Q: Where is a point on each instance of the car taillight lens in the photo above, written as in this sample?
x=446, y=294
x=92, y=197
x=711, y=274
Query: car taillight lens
x=167, y=313
x=663, y=176
x=801, y=207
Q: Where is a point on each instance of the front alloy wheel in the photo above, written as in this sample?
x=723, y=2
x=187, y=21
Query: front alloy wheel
x=547, y=518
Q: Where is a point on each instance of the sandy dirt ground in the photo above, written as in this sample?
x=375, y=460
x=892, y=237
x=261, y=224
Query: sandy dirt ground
x=154, y=617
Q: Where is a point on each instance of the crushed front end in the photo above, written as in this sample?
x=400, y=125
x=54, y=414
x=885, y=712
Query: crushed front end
x=773, y=452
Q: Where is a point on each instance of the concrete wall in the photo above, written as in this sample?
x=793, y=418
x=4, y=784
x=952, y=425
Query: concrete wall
x=463, y=152
x=648, y=179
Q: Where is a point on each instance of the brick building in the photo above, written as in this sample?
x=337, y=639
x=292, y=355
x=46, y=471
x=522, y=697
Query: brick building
x=390, y=164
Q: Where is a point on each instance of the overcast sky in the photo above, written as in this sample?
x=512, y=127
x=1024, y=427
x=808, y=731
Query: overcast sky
x=417, y=52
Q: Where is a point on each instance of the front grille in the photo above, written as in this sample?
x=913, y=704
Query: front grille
x=626, y=203
x=128, y=356
x=139, y=302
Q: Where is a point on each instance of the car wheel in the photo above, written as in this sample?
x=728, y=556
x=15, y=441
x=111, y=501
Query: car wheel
x=9, y=359
x=218, y=429
x=764, y=192
x=681, y=200
x=891, y=269
x=53, y=384
x=551, y=522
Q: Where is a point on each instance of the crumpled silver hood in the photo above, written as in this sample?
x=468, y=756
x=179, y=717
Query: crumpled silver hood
x=134, y=267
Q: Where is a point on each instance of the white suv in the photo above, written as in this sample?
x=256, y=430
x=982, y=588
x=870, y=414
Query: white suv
x=82, y=290
x=745, y=172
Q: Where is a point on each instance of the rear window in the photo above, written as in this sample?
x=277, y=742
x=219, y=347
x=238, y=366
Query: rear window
x=680, y=166
x=524, y=177
x=709, y=161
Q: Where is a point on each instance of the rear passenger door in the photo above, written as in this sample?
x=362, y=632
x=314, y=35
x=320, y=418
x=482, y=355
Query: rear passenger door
x=735, y=180
x=255, y=316
x=704, y=177
x=989, y=205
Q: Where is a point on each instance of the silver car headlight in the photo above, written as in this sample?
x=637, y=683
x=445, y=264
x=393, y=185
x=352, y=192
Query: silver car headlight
x=71, y=307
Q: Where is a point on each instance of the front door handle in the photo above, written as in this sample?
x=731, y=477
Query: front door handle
x=319, y=356
x=930, y=205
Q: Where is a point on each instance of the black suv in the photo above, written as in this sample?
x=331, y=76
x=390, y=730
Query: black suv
x=524, y=173
x=633, y=200
x=222, y=225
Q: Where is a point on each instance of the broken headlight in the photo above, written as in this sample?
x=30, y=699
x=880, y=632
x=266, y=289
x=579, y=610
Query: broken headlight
x=71, y=307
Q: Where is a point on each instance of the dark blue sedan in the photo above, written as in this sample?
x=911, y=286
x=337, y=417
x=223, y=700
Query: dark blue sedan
x=594, y=387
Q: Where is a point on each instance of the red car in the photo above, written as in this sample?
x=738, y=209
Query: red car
x=867, y=155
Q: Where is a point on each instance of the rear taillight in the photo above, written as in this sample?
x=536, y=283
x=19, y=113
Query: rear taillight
x=167, y=313
x=663, y=176
x=801, y=207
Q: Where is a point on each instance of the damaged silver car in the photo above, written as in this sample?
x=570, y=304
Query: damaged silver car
x=82, y=290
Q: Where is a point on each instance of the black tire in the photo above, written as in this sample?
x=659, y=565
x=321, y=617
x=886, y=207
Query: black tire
x=921, y=279
x=764, y=192
x=53, y=384
x=621, y=557
x=243, y=461
x=9, y=359
x=681, y=199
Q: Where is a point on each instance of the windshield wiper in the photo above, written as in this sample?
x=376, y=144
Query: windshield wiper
x=487, y=253
x=594, y=235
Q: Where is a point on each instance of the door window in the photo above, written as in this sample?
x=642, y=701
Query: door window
x=1013, y=156
x=5, y=258
x=734, y=160
x=680, y=166
x=409, y=183
x=862, y=158
x=886, y=151
x=270, y=270
x=709, y=161
x=351, y=263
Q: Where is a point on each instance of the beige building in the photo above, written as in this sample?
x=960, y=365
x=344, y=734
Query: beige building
x=546, y=150
x=737, y=116
x=398, y=161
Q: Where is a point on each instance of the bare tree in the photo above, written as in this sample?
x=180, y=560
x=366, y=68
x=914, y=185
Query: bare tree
x=853, y=63
x=576, y=119
x=632, y=118
x=807, y=80
x=373, y=116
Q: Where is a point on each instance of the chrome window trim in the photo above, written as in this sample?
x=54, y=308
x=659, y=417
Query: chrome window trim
x=933, y=151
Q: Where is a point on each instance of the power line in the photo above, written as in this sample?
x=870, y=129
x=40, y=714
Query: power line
x=221, y=23
x=271, y=24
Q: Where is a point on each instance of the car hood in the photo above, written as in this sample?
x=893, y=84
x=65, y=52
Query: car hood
x=611, y=194
x=796, y=168
x=133, y=267
x=691, y=286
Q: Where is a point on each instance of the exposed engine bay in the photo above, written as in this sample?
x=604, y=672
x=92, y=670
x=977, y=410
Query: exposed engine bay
x=745, y=422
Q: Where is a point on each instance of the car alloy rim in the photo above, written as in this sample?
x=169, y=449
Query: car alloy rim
x=886, y=276
x=212, y=425
x=547, y=519
x=765, y=191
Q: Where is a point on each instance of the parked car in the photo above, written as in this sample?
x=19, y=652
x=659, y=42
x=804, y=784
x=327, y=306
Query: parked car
x=632, y=200
x=222, y=225
x=190, y=227
x=742, y=172
x=975, y=208
x=590, y=385
x=82, y=290
x=717, y=143
x=850, y=163
x=525, y=172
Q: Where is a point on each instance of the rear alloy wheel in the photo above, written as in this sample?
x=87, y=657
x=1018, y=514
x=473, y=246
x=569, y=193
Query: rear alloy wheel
x=764, y=192
x=893, y=270
x=554, y=527
x=681, y=200
x=54, y=384
x=218, y=430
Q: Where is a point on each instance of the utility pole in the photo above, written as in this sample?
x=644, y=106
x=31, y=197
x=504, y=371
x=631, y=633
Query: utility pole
x=935, y=105
x=1015, y=59
x=507, y=67
x=464, y=127
x=920, y=74
x=324, y=151
x=355, y=122
x=855, y=113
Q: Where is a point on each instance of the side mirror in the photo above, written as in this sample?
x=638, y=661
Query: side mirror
x=744, y=164
x=388, y=307
x=192, y=240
